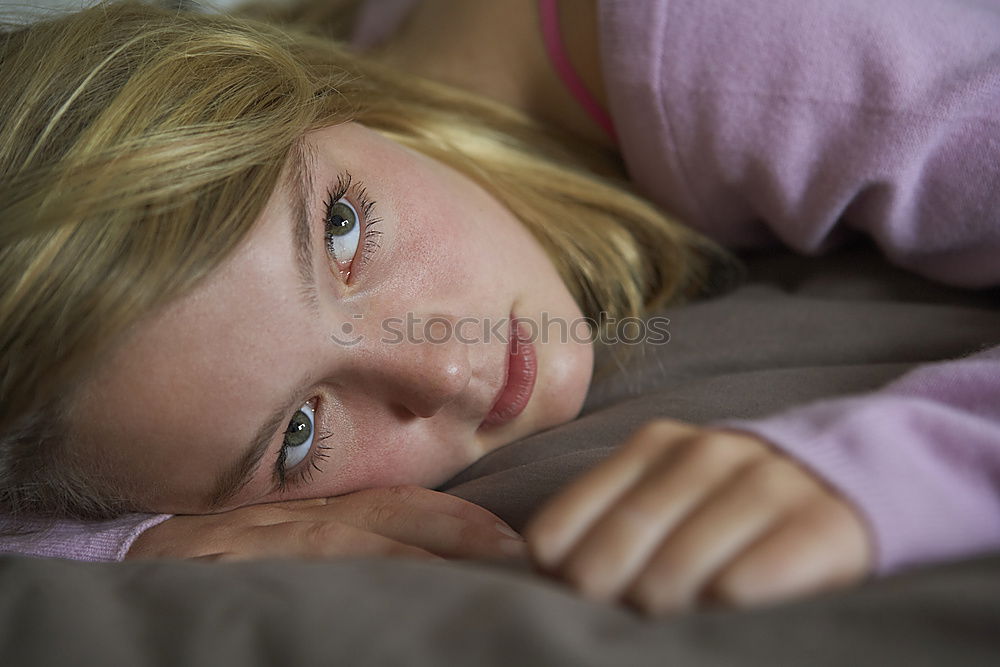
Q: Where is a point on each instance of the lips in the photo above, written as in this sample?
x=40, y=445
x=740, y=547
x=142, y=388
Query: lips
x=521, y=372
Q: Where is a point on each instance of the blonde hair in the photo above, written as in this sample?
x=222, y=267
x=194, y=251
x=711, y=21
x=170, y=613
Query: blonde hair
x=138, y=145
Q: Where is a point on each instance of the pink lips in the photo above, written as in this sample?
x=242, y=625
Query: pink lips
x=522, y=369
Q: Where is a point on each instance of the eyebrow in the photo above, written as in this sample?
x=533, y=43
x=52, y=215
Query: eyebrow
x=299, y=181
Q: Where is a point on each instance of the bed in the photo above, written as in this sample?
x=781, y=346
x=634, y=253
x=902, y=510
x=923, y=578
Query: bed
x=797, y=329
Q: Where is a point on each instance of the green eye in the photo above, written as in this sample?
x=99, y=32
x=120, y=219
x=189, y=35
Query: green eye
x=298, y=436
x=341, y=219
x=343, y=232
x=299, y=430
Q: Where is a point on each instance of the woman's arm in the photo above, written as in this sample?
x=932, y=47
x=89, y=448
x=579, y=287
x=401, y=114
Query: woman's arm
x=396, y=521
x=920, y=458
x=744, y=512
x=76, y=540
x=682, y=515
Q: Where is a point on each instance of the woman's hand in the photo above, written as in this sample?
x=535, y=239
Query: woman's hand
x=683, y=515
x=398, y=521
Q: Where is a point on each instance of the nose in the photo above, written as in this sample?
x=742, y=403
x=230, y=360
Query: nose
x=419, y=366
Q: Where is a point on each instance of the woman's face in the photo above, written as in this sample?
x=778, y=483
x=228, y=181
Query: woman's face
x=381, y=340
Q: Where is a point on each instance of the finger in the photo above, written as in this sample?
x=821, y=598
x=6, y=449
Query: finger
x=620, y=544
x=821, y=547
x=563, y=521
x=445, y=503
x=382, y=500
x=410, y=515
x=745, y=506
x=316, y=539
x=442, y=534
x=430, y=501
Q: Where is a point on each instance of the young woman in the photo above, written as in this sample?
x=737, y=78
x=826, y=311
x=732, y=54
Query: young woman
x=208, y=222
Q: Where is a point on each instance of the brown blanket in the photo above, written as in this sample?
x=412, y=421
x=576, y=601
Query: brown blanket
x=799, y=329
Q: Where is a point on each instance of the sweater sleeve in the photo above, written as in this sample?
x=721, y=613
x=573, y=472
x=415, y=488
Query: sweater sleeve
x=920, y=458
x=76, y=540
x=808, y=122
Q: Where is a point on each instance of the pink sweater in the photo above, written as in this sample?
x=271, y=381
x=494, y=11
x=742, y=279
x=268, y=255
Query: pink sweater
x=803, y=122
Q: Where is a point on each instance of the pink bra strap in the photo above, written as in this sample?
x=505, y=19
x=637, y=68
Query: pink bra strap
x=549, y=13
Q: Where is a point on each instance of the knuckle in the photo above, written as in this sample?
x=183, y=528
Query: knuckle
x=773, y=479
x=710, y=450
x=655, y=428
x=724, y=448
x=705, y=454
x=672, y=426
x=654, y=435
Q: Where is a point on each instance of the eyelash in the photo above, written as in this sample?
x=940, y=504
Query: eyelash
x=304, y=471
x=370, y=242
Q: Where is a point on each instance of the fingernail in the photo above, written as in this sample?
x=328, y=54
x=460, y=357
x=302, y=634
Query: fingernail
x=508, y=531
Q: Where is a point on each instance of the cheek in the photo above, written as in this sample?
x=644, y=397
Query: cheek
x=570, y=373
x=434, y=249
x=453, y=232
x=391, y=458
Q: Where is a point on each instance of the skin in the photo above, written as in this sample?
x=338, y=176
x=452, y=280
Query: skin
x=680, y=517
